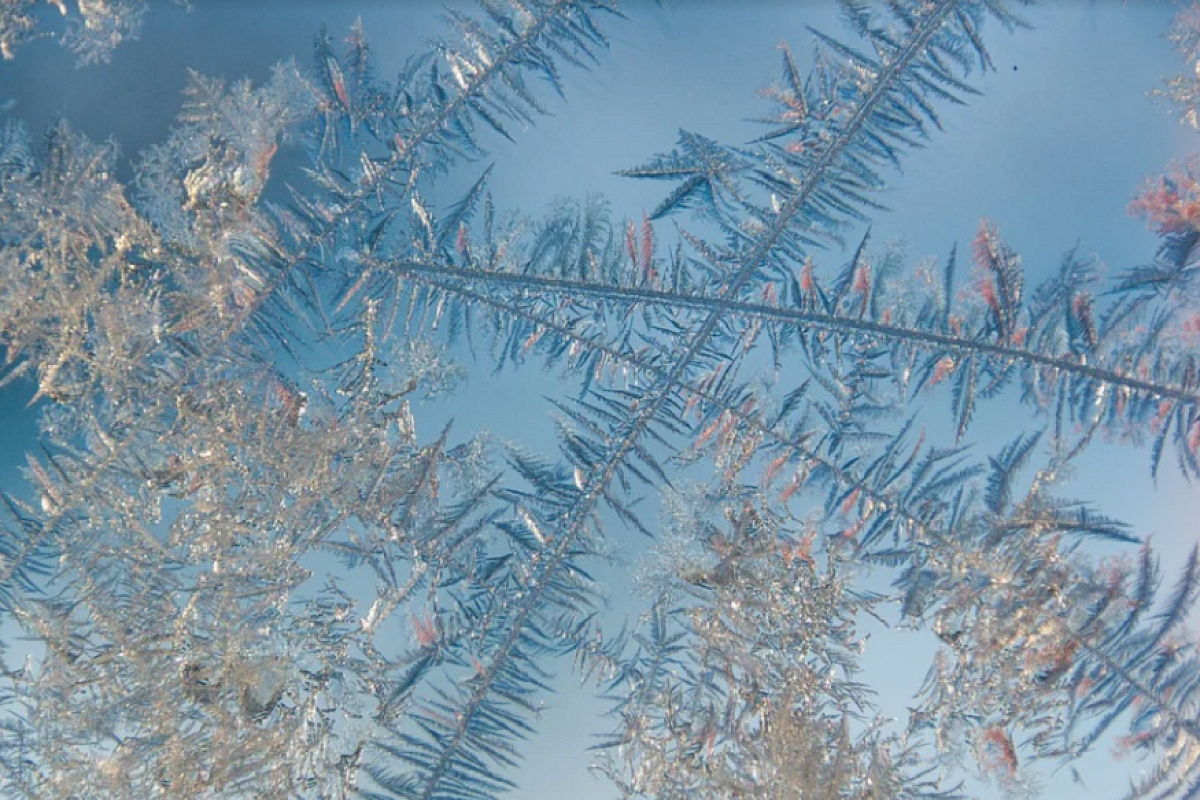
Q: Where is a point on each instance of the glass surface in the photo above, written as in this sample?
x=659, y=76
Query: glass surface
x=545, y=400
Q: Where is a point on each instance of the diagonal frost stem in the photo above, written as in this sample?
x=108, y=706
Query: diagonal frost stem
x=635, y=296
x=596, y=483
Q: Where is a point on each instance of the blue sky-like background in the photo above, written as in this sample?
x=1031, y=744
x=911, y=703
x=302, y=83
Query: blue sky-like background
x=1052, y=152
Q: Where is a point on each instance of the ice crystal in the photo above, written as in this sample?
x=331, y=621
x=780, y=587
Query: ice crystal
x=237, y=504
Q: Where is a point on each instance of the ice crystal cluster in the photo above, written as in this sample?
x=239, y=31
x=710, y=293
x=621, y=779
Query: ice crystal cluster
x=247, y=571
x=92, y=28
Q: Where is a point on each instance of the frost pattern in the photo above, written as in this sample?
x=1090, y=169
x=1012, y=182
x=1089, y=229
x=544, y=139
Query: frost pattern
x=93, y=29
x=236, y=509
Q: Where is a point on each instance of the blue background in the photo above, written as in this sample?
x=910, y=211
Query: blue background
x=1052, y=152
